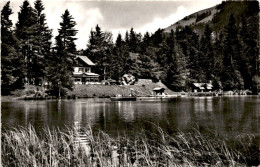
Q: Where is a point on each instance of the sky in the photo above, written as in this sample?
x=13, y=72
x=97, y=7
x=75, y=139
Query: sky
x=115, y=16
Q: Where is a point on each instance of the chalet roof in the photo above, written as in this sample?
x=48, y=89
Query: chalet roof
x=87, y=74
x=85, y=59
x=203, y=85
x=209, y=85
x=198, y=84
x=158, y=88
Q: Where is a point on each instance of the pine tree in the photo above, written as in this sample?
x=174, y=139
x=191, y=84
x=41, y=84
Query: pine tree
x=133, y=41
x=120, y=59
x=254, y=59
x=60, y=70
x=231, y=76
x=188, y=40
x=67, y=32
x=117, y=59
x=146, y=41
x=206, y=56
x=44, y=36
x=157, y=37
x=12, y=70
x=127, y=38
x=99, y=50
x=249, y=35
x=218, y=62
x=119, y=41
x=175, y=73
x=146, y=67
x=26, y=32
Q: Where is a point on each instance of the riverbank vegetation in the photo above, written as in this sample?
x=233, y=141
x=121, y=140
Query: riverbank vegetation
x=24, y=147
x=227, y=55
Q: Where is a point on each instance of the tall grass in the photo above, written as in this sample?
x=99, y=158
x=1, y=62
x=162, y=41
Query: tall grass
x=24, y=147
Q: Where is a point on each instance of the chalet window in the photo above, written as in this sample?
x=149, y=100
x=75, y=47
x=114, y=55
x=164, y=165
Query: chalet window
x=87, y=69
x=81, y=69
x=77, y=79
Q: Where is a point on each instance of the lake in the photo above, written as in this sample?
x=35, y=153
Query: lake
x=220, y=115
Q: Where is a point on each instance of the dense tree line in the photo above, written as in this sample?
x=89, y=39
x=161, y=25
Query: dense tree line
x=229, y=58
x=28, y=58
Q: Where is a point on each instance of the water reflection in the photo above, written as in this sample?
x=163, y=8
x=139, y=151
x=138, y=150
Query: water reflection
x=223, y=115
x=126, y=111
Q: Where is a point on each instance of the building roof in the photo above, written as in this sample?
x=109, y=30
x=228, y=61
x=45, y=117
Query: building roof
x=198, y=84
x=209, y=85
x=203, y=85
x=87, y=74
x=158, y=88
x=85, y=59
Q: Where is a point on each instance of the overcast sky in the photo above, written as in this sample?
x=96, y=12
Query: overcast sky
x=115, y=16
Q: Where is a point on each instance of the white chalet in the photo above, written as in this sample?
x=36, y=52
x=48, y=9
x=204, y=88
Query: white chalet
x=82, y=71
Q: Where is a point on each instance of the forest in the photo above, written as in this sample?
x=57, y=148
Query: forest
x=228, y=57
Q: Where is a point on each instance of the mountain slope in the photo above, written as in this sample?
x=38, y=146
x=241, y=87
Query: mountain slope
x=217, y=16
x=202, y=16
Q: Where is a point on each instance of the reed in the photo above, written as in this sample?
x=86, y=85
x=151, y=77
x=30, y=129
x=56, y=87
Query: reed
x=24, y=147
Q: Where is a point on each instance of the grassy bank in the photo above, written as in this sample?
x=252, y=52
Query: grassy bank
x=141, y=88
x=112, y=90
x=23, y=147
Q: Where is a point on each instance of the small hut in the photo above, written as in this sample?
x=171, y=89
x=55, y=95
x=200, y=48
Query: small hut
x=202, y=87
x=159, y=91
x=209, y=87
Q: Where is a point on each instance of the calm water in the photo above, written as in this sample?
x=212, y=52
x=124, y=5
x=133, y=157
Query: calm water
x=222, y=115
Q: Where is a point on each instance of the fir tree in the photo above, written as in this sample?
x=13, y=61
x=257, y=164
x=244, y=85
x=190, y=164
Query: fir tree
x=26, y=32
x=146, y=67
x=67, y=32
x=157, y=37
x=133, y=41
x=146, y=41
x=117, y=59
x=188, y=40
x=176, y=73
x=206, y=56
x=127, y=38
x=119, y=41
x=12, y=69
x=44, y=35
x=60, y=70
x=249, y=35
x=231, y=76
x=99, y=50
x=218, y=62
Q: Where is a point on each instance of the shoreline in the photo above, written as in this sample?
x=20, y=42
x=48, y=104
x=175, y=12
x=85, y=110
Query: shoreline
x=107, y=91
x=139, y=98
